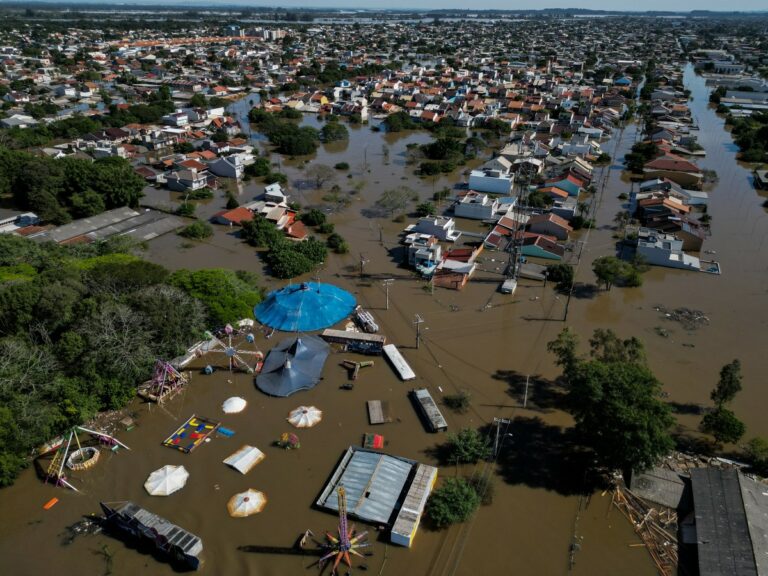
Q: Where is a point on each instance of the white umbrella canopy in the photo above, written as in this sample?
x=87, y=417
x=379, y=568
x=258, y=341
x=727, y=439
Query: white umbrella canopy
x=305, y=416
x=233, y=405
x=166, y=480
x=246, y=503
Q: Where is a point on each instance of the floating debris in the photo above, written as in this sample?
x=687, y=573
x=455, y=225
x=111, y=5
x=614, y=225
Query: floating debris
x=83, y=527
x=689, y=318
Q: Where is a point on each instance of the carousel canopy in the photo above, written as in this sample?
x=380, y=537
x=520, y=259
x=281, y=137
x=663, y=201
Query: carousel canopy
x=294, y=364
x=166, y=480
x=305, y=307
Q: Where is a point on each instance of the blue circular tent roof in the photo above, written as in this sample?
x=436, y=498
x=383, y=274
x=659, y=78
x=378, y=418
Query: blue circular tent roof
x=305, y=307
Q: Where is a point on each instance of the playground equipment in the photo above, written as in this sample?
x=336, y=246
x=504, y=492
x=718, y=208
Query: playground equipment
x=348, y=542
x=191, y=434
x=165, y=383
x=249, y=361
x=83, y=458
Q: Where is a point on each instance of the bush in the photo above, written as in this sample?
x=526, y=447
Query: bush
x=455, y=501
x=334, y=131
x=425, y=209
x=186, y=210
x=341, y=166
x=337, y=244
x=232, y=202
x=197, y=230
x=458, y=402
x=259, y=168
x=484, y=487
x=466, y=447
x=326, y=228
x=313, y=217
x=201, y=194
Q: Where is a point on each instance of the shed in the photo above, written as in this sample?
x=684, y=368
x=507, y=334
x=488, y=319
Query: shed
x=373, y=483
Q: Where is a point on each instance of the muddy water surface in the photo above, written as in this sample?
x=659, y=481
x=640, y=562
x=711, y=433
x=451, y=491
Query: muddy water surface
x=478, y=340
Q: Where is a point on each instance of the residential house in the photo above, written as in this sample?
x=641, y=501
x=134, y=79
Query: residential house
x=234, y=217
x=228, y=167
x=674, y=168
x=660, y=249
x=541, y=246
x=551, y=225
x=439, y=226
x=475, y=206
x=184, y=180
x=491, y=181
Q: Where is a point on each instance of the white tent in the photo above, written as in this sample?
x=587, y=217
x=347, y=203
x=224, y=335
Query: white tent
x=233, y=405
x=245, y=459
x=305, y=416
x=166, y=480
x=246, y=503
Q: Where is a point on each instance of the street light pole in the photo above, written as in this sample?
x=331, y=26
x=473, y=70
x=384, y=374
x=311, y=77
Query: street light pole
x=387, y=283
x=418, y=321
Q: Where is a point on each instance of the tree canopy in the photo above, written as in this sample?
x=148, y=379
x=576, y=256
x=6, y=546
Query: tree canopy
x=615, y=399
x=59, y=190
x=454, y=501
x=81, y=326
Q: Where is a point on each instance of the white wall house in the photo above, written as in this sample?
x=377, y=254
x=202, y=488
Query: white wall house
x=490, y=181
x=439, y=226
x=664, y=250
x=476, y=206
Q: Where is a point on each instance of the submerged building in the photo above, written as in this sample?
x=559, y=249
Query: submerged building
x=381, y=489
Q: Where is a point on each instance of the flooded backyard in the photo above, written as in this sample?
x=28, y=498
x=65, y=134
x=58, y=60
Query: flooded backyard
x=476, y=340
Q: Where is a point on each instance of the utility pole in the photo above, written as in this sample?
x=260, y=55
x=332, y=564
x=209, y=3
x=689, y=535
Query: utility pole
x=363, y=262
x=498, y=422
x=387, y=283
x=525, y=398
x=418, y=321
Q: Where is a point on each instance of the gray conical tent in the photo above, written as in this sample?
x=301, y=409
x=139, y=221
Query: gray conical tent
x=294, y=364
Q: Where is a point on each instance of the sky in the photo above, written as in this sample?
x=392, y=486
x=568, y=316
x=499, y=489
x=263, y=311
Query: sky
x=618, y=5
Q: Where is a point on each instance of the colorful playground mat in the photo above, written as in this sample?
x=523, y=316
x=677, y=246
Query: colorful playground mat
x=191, y=434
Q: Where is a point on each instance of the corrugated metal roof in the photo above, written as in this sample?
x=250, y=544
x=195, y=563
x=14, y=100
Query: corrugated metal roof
x=373, y=483
x=722, y=532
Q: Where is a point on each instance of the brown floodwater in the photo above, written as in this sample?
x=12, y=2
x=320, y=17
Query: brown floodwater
x=478, y=340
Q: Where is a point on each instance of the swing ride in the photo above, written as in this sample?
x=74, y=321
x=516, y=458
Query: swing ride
x=82, y=458
x=348, y=541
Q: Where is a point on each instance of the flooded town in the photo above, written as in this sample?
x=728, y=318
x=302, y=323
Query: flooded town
x=312, y=290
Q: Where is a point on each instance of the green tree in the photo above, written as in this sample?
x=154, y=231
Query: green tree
x=286, y=263
x=333, y=132
x=337, y=244
x=225, y=296
x=198, y=230
x=313, y=217
x=608, y=270
x=562, y=274
x=261, y=233
x=723, y=425
x=564, y=347
x=426, y=209
x=729, y=384
x=615, y=400
x=467, y=447
x=454, y=501
x=757, y=455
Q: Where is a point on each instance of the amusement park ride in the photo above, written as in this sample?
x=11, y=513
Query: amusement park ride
x=348, y=542
x=236, y=356
x=83, y=458
x=165, y=383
